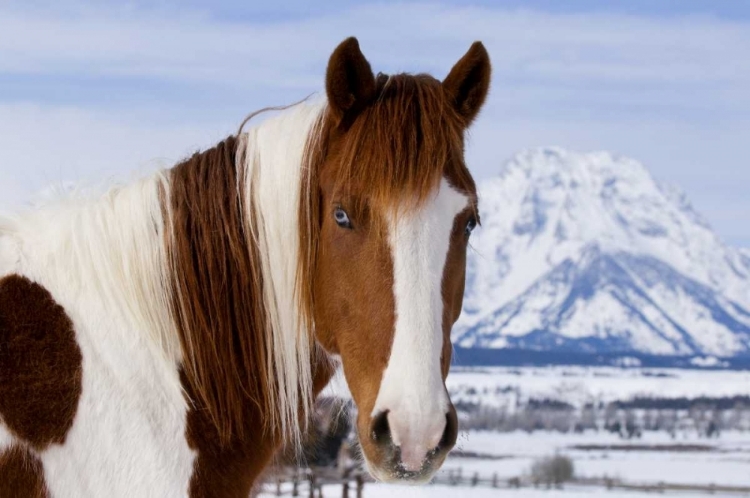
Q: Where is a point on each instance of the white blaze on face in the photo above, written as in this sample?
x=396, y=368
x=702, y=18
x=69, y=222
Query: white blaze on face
x=412, y=389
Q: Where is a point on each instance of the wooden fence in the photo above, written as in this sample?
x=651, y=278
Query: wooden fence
x=309, y=483
x=456, y=477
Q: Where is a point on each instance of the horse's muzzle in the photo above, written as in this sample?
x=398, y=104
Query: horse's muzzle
x=411, y=457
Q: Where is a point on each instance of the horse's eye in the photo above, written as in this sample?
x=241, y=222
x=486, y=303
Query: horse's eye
x=342, y=219
x=471, y=225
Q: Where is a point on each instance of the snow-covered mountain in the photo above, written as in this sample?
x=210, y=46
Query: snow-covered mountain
x=588, y=253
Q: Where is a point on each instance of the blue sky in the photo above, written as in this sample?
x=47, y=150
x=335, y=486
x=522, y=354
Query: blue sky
x=96, y=91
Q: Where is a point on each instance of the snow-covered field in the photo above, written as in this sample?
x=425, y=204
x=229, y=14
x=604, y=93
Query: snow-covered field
x=654, y=458
x=726, y=462
x=580, y=385
x=392, y=491
x=386, y=491
x=685, y=458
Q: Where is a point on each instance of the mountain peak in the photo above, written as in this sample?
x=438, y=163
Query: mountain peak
x=551, y=210
x=565, y=169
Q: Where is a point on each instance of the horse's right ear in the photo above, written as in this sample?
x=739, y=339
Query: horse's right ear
x=350, y=84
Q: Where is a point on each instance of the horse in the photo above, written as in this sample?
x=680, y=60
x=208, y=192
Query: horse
x=166, y=337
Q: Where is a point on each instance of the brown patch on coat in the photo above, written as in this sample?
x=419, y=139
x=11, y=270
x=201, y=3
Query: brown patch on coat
x=21, y=474
x=40, y=364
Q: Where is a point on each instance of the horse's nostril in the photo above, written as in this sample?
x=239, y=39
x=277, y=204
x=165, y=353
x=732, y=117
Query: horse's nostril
x=450, y=434
x=380, y=431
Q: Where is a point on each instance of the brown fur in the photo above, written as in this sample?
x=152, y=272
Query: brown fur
x=400, y=146
x=350, y=84
x=217, y=291
x=225, y=469
x=230, y=469
x=40, y=364
x=222, y=325
x=468, y=82
x=21, y=474
x=454, y=280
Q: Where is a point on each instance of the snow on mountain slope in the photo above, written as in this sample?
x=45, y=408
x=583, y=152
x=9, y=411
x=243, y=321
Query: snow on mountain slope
x=588, y=252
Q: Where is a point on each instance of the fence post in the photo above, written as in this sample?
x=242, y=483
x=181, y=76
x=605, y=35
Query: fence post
x=311, y=478
x=342, y=459
x=475, y=479
x=360, y=485
x=494, y=480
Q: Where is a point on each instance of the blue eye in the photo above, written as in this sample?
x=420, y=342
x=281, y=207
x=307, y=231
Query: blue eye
x=342, y=219
x=471, y=225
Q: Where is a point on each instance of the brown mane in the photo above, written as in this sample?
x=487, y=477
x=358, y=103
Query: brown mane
x=217, y=289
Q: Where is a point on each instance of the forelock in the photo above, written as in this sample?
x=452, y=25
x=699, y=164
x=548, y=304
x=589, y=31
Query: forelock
x=399, y=148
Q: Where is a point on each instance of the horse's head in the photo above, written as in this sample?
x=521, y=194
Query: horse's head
x=395, y=208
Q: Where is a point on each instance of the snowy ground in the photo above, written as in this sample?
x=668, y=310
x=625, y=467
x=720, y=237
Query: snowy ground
x=581, y=385
x=726, y=464
x=385, y=491
x=392, y=491
x=656, y=457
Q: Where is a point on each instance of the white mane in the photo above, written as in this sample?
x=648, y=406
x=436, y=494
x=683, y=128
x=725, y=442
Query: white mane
x=274, y=153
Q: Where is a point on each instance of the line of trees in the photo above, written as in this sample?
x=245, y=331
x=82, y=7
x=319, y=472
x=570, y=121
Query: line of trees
x=708, y=417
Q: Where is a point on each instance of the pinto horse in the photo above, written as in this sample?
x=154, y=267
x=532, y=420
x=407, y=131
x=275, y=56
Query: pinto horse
x=167, y=338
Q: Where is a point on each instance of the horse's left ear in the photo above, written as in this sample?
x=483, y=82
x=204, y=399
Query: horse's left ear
x=350, y=84
x=469, y=81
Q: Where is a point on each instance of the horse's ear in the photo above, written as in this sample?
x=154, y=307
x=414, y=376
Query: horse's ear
x=350, y=84
x=469, y=81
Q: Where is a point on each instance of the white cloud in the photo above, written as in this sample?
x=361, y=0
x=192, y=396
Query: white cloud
x=570, y=47
x=671, y=92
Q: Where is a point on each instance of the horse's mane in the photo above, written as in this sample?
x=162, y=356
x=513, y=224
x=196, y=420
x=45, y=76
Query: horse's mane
x=233, y=250
x=7, y=224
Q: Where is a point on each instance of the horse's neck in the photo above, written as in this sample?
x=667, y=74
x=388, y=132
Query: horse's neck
x=109, y=250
